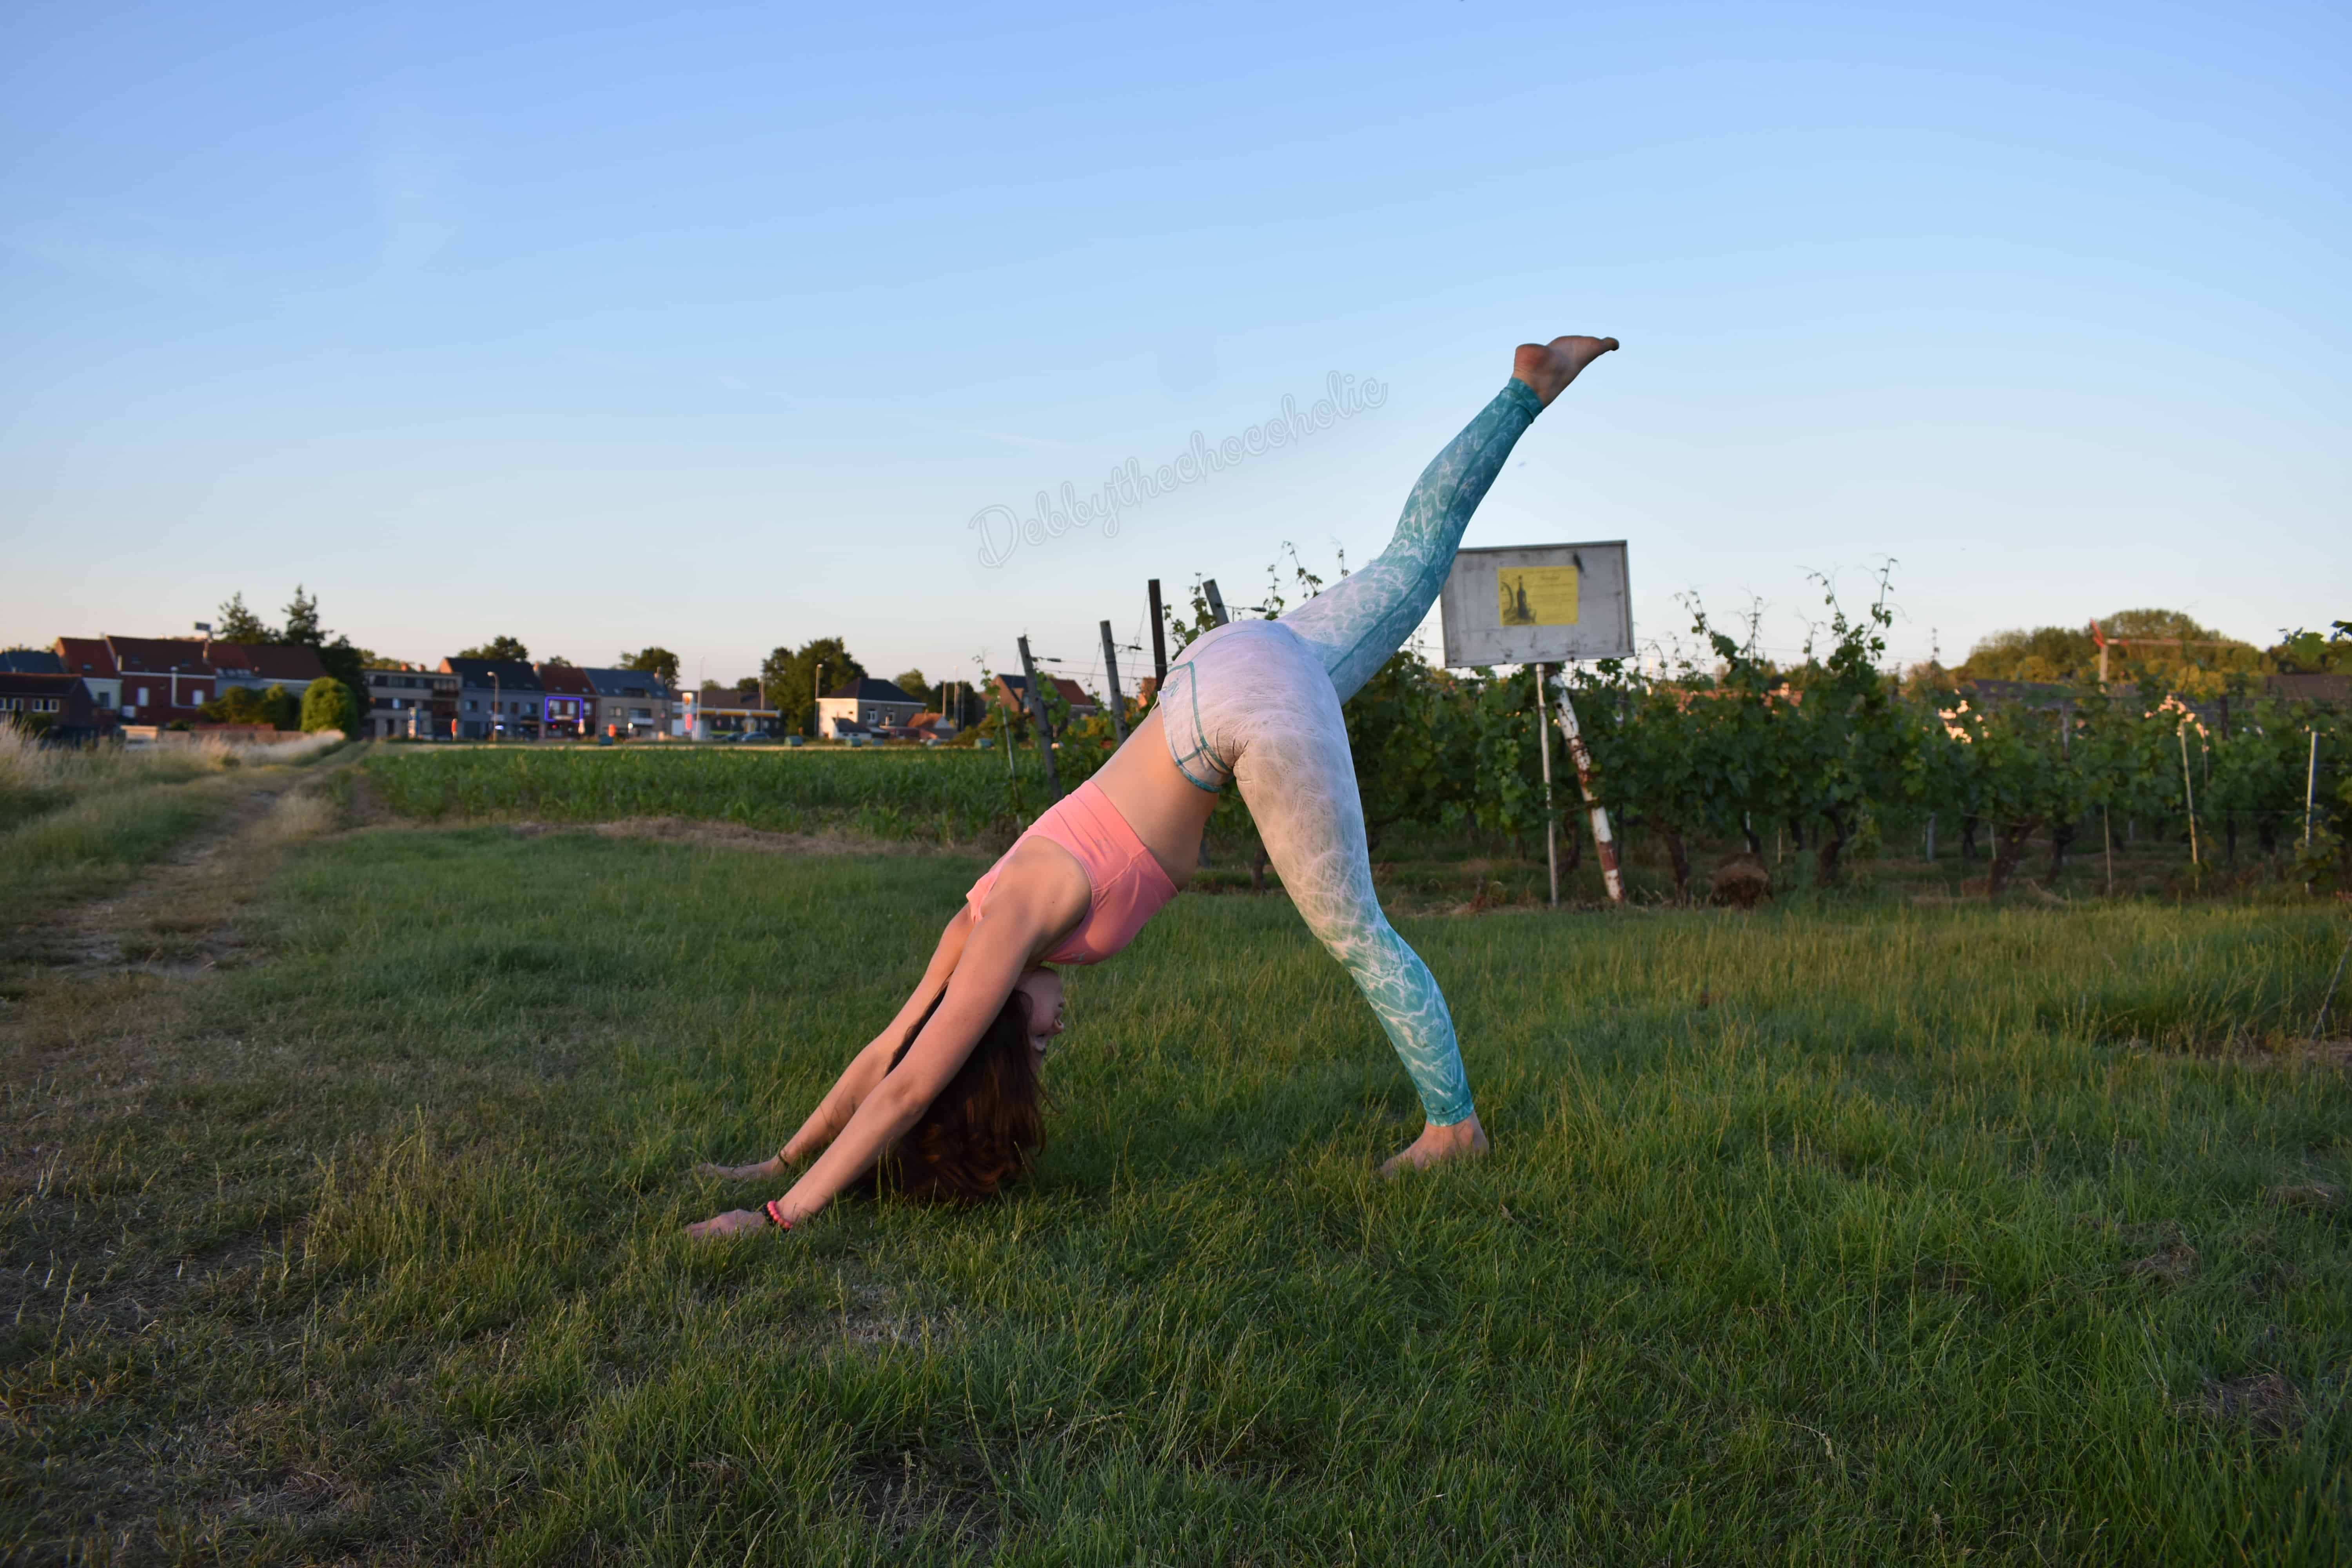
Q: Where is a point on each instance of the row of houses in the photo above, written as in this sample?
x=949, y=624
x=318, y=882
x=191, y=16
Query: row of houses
x=477, y=698
x=511, y=699
x=89, y=688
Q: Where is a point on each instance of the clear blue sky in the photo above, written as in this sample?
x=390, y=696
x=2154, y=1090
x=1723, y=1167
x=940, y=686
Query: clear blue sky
x=604, y=326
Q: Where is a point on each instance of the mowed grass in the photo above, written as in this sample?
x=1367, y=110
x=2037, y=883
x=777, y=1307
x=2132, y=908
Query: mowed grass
x=1819, y=1235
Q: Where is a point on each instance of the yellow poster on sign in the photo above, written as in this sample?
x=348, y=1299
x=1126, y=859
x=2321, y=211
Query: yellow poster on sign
x=1536, y=596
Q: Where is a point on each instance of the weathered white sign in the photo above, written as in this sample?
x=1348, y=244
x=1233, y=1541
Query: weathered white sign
x=1537, y=604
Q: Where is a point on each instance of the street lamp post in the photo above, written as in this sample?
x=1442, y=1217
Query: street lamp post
x=494, y=708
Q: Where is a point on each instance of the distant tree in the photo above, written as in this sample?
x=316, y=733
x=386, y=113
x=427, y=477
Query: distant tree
x=327, y=705
x=653, y=659
x=2070, y=655
x=504, y=647
x=2042, y=653
x=774, y=671
x=747, y=687
x=557, y=658
x=302, y=628
x=238, y=625
x=793, y=678
x=914, y=684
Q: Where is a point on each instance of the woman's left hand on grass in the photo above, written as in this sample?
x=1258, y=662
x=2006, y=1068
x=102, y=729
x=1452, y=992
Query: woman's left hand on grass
x=733, y=1222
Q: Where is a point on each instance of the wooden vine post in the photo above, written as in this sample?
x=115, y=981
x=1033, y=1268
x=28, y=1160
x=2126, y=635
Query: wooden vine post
x=1551, y=829
x=1602, y=841
x=1117, y=699
x=1037, y=717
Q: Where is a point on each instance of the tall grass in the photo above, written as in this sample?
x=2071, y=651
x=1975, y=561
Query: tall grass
x=75, y=820
x=1936, y=1235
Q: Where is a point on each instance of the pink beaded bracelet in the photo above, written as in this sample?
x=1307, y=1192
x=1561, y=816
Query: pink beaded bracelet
x=774, y=1217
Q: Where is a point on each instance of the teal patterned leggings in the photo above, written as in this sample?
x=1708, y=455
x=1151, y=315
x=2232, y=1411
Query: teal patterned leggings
x=1258, y=702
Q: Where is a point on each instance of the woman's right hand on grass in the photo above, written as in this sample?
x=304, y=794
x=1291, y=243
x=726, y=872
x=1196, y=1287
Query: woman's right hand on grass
x=773, y=1165
x=734, y=1222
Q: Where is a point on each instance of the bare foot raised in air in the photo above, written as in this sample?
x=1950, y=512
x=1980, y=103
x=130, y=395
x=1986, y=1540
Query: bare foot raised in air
x=1463, y=1141
x=1549, y=367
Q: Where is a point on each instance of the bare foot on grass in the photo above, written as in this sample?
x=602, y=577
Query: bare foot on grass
x=1463, y=1141
x=1549, y=367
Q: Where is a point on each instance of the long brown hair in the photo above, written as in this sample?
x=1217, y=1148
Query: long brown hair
x=978, y=1133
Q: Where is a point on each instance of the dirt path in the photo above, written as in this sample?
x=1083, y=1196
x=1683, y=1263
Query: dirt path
x=176, y=918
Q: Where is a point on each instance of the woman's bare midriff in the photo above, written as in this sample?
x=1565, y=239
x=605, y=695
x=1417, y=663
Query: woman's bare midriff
x=1167, y=810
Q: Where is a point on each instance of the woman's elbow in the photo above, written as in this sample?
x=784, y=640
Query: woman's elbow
x=898, y=1103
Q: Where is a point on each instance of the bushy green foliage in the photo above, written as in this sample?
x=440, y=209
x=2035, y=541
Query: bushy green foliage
x=236, y=624
x=2305, y=652
x=243, y=705
x=653, y=659
x=796, y=678
x=1831, y=744
x=327, y=705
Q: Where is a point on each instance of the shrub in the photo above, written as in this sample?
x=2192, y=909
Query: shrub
x=327, y=705
x=243, y=705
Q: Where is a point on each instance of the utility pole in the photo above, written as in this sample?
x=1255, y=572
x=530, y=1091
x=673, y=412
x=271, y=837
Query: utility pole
x=816, y=695
x=494, y=708
x=1159, y=639
x=1037, y=716
x=1110, y=669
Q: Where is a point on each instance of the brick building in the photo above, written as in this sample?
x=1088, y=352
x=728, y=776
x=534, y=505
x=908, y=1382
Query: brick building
x=163, y=680
x=569, y=706
x=91, y=658
x=58, y=706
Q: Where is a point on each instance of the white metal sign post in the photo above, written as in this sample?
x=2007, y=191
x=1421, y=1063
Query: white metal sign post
x=1540, y=604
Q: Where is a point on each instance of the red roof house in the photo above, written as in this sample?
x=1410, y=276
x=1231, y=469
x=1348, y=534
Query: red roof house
x=164, y=680
x=264, y=665
x=91, y=659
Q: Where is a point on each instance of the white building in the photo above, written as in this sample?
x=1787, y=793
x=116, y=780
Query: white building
x=862, y=706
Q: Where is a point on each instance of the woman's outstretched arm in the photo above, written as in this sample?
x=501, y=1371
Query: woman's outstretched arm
x=1039, y=896
x=865, y=1070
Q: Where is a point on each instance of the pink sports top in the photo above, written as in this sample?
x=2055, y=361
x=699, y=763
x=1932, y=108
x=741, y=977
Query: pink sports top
x=1128, y=885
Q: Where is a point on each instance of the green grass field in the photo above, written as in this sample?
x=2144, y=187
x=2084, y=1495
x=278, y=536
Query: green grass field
x=1858, y=1232
x=946, y=796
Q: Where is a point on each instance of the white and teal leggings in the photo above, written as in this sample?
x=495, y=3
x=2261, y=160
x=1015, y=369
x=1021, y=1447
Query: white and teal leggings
x=1258, y=702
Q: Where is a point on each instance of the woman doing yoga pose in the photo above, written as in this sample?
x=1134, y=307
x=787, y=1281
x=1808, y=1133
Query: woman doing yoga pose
x=945, y=1096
